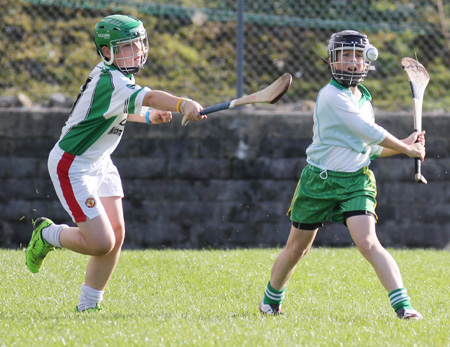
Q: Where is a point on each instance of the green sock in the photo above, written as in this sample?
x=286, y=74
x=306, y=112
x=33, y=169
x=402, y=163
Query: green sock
x=399, y=299
x=273, y=296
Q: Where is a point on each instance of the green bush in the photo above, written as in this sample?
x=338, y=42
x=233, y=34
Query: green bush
x=48, y=47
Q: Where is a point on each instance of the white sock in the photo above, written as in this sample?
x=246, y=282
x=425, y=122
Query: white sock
x=51, y=234
x=89, y=297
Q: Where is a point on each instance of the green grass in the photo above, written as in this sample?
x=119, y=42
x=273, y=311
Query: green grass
x=210, y=298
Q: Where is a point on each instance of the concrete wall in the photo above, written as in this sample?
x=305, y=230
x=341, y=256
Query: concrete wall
x=225, y=182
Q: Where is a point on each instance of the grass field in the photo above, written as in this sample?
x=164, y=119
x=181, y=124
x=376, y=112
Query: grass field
x=210, y=298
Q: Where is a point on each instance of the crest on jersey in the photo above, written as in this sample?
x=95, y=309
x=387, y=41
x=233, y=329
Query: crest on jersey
x=90, y=202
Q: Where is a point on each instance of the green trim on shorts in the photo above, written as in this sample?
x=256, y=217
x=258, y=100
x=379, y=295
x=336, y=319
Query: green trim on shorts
x=325, y=195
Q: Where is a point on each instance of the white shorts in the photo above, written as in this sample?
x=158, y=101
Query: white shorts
x=81, y=182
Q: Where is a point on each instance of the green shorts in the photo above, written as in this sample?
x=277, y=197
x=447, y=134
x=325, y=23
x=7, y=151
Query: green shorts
x=328, y=195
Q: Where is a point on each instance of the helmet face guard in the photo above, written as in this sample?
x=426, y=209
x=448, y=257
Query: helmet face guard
x=353, y=41
x=127, y=41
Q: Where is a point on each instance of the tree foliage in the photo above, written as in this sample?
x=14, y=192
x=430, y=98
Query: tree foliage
x=48, y=46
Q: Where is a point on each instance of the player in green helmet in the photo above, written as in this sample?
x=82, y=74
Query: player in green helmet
x=80, y=166
x=122, y=40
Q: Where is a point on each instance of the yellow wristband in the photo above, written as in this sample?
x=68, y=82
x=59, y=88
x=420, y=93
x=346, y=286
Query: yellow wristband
x=179, y=103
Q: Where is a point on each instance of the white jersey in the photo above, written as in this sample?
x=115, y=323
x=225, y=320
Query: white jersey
x=97, y=121
x=345, y=133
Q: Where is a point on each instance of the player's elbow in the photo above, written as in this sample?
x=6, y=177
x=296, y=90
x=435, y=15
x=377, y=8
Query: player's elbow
x=149, y=99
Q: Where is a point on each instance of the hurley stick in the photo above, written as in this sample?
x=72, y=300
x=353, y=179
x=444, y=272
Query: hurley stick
x=418, y=79
x=271, y=94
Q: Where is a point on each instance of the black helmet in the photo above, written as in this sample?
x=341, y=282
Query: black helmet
x=349, y=40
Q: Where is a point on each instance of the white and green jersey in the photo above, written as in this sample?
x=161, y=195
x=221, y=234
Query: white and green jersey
x=345, y=135
x=97, y=121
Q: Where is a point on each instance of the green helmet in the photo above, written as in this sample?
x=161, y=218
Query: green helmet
x=126, y=38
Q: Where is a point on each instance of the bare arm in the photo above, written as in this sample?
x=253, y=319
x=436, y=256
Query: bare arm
x=137, y=118
x=164, y=101
x=412, y=146
x=155, y=117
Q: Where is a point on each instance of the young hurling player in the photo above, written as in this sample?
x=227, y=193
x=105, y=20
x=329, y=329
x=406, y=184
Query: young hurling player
x=85, y=179
x=337, y=184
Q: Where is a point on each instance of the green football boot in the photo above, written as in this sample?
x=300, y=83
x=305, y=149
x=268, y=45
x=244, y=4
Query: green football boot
x=38, y=248
x=90, y=309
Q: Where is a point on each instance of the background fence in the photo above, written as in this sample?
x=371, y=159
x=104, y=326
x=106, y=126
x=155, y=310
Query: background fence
x=47, y=46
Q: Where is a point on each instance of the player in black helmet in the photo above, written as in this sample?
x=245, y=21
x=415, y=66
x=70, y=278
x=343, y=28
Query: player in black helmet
x=354, y=41
x=337, y=184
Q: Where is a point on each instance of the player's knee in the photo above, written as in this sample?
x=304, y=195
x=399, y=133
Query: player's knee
x=119, y=240
x=367, y=248
x=119, y=232
x=103, y=247
x=297, y=252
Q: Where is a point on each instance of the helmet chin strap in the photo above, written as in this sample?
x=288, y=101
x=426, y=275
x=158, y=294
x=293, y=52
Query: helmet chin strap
x=111, y=59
